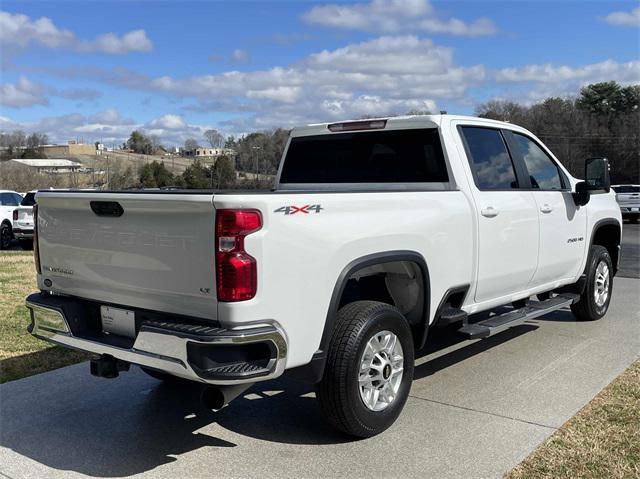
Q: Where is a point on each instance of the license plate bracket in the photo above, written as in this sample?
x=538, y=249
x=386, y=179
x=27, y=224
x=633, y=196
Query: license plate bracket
x=118, y=321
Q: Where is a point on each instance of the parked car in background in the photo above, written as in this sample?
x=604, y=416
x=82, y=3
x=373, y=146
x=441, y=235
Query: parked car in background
x=628, y=197
x=8, y=202
x=23, y=221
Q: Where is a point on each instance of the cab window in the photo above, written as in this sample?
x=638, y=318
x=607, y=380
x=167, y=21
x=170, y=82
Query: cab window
x=543, y=172
x=489, y=158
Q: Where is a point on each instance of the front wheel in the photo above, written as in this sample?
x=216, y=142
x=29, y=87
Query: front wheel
x=594, y=300
x=369, y=369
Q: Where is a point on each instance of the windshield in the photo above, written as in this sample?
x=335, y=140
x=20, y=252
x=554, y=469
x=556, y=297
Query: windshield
x=28, y=200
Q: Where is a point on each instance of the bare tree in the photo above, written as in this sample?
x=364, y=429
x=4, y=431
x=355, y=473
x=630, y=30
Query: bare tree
x=215, y=138
x=190, y=144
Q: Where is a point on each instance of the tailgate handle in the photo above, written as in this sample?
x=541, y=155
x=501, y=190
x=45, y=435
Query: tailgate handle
x=106, y=208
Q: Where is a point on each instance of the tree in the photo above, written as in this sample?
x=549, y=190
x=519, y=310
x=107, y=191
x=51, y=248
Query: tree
x=155, y=175
x=195, y=176
x=138, y=142
x=604, y=120
x=223, y=173
x=191, y=144
x=215, y=138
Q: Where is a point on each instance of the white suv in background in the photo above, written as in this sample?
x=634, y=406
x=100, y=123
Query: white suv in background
x=628, y=197
x=23, y=221
x=8, y=202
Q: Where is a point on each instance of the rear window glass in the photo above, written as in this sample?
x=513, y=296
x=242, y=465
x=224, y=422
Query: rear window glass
x=394, y=156
x=626, y=189
x=29, y=200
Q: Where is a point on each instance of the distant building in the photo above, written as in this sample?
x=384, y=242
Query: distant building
x=49, y=165
x=209, y=152
x=72, y=148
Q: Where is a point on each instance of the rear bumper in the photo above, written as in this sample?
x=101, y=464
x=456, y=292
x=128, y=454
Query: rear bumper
x=23, y=233
x=207, y=354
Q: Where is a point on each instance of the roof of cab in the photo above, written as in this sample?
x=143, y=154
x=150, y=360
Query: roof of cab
x=394, y=123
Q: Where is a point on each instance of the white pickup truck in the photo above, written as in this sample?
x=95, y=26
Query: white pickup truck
x=376, y=232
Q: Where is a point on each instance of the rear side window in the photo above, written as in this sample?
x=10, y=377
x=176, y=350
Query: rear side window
x=29, y=200
x=489, y=158
x=543, y=172
x=393, y=156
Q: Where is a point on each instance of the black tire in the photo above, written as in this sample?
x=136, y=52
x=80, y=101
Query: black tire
x=587, y=309
x=339, y=391
x=26, y=244
x=5, y=236
x=165, y=377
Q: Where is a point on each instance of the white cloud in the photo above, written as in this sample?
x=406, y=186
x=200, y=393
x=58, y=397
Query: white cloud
x=453, y=26
x=240, y=56
x=112, y=44
x=624, y=19
x=23, y=93
x=628, y=72
x=390, y=16
x=386, y=75
x=19, y=32
x=168, y=122
x=108, y=126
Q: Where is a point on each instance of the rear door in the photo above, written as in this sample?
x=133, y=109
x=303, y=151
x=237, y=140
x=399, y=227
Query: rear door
x=562, y=223
x=507, y=216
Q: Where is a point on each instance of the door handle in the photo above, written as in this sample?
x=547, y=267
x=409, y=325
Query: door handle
x=546, y=208
x=489, y=212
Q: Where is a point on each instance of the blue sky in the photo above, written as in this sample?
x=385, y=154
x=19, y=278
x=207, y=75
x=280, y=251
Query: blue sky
x=97, y=70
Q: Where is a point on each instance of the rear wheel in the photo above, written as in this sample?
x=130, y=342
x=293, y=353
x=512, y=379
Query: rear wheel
x=369, y=369
x=594, y=300
x=5, y=236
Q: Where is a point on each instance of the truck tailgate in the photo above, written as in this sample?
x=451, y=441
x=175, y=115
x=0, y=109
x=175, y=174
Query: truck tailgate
x=158, y=254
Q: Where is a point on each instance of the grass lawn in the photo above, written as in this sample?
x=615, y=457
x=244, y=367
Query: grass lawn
x=21, y=354
x=601, y=441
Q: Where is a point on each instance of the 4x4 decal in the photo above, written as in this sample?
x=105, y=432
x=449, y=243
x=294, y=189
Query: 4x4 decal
x=292, y=210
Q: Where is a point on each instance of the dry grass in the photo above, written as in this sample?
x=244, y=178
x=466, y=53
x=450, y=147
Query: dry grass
x=21, y=354
x=601, y=441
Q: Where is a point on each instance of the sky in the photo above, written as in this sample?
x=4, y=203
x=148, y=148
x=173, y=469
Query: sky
x=95, y=71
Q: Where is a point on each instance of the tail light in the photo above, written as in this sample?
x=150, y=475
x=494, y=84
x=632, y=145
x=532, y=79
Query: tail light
x=15, y=215
x=236, y=272
x=36, y=249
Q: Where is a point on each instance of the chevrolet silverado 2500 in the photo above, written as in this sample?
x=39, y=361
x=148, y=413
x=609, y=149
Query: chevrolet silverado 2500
x=376, y=232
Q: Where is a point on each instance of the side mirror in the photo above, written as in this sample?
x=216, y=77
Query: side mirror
x=597, y=175
x=582, y=195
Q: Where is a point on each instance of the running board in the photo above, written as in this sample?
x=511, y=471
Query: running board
x=497, y=324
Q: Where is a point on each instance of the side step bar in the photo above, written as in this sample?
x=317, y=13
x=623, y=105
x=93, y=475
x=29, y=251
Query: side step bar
x=497, y=324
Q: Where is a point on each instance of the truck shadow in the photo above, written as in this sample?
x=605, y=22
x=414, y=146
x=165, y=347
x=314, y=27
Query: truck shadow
x=136, y=424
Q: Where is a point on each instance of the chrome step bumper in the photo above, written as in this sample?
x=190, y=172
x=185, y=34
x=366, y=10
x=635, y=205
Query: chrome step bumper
x=168, y=346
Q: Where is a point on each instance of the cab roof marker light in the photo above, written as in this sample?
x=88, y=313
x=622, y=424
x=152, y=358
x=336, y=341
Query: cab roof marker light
x=358, y=125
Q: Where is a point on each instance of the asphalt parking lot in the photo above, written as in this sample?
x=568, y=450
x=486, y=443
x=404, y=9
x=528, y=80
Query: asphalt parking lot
x=476, y=410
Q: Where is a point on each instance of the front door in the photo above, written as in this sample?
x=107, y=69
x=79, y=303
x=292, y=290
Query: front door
x=507, y=216
x=562, y=224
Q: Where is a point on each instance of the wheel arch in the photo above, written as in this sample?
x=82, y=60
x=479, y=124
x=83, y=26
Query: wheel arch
x=608, y=233
x=313, y=371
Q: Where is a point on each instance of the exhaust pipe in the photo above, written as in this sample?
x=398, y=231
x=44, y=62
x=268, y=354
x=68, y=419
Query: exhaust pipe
x=217, y=397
